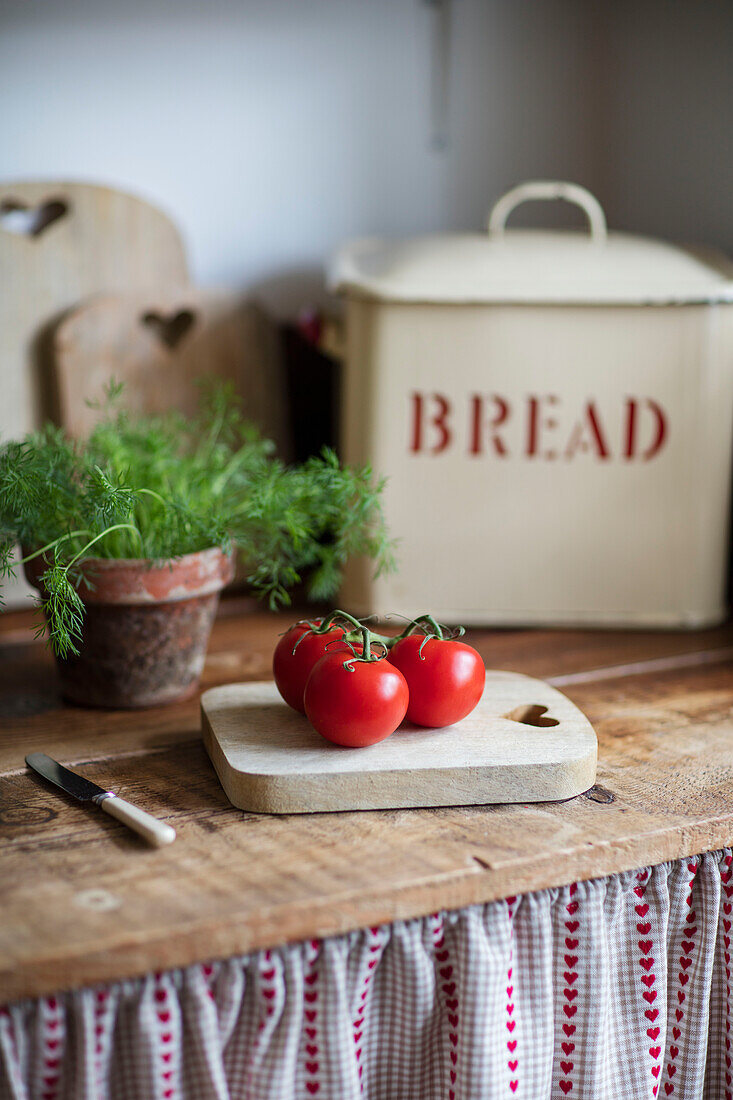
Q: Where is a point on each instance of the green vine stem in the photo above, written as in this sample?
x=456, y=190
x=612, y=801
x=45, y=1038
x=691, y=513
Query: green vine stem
x=435, y=629
x=358, y=633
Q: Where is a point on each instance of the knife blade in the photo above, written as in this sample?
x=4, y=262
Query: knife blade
x=154, y=831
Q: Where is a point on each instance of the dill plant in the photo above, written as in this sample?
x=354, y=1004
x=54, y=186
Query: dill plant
x=158, y=487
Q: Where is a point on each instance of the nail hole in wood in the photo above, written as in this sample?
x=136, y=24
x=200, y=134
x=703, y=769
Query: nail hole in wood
x=600, y=794
x=100, y=901
x=31, y=221
x=531, y=714
x=170, y=330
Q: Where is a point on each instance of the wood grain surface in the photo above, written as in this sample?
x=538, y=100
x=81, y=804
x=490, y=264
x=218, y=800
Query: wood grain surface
x=82, y=900
x=524, y=742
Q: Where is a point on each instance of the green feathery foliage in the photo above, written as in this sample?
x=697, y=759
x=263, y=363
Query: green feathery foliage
x=158, y=487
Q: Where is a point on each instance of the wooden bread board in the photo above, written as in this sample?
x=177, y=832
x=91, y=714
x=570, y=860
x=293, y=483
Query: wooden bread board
x=161, y=345
x=269, y=759
x=59, y=243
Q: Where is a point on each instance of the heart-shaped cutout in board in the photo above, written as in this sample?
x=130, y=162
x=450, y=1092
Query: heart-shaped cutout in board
x=31, y=221
x=531, y=714
x=170, y=329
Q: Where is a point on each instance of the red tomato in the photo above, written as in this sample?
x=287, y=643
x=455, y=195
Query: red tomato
x=356, y=705
x=446, y=680
x=293, y=659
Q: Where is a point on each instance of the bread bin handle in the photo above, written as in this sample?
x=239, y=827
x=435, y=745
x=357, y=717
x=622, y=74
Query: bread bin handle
x=549, y=189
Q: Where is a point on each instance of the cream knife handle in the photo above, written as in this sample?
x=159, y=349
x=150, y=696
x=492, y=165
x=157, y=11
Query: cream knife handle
x=155, y=832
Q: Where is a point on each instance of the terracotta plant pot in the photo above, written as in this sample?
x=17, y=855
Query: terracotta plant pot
x=146, y=627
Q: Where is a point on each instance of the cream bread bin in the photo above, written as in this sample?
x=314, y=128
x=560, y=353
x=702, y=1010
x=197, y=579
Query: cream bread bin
x=553, y=411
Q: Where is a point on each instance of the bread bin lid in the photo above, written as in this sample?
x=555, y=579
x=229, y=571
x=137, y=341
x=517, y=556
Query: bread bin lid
x=533, y=266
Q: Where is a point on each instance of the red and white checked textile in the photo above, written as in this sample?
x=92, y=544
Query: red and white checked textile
x=616, y=988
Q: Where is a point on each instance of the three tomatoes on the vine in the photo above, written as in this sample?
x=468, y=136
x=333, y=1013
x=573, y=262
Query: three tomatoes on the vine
x=355, y=700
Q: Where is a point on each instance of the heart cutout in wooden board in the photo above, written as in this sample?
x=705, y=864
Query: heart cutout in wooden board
x=531, y=714
x=31, y=221
x=170, y=329
x=217, y=334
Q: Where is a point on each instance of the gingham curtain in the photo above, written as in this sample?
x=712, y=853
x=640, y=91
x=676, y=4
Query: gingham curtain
x=616, y=988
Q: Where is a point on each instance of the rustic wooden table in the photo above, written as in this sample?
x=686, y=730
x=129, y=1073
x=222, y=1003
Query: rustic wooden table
x=83, y=900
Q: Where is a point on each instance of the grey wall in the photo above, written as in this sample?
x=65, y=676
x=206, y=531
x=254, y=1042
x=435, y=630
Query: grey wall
x=662, y=149
x=273, y=129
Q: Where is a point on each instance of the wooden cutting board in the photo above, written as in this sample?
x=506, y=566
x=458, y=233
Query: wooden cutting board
x=524, y=742
x=159, y=345
x=59, y=243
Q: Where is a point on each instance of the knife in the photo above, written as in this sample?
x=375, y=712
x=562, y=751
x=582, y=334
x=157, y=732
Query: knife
x=154, y=831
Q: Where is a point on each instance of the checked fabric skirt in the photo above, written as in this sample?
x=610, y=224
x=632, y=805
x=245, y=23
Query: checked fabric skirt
x=617, y=988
